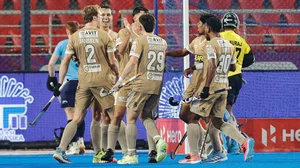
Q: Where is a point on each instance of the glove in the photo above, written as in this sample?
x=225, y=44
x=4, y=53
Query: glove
x=56, y=91
x=205, y=93
x=51, y=83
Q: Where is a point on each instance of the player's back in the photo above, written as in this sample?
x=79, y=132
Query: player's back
x=224, y=57
x=151, y=52
x=241, y=48
x=91, y=46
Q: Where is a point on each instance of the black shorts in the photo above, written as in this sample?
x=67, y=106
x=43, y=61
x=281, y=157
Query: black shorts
x=67, y=94
x=236, y=83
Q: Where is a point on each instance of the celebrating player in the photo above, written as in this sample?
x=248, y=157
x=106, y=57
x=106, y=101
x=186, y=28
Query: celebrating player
x=244, y=57
x=105, y=24
x=95, y=51
x=220, y=59
x=68, y=92
x=147, y=56
x=196, y=47
x=123, y=45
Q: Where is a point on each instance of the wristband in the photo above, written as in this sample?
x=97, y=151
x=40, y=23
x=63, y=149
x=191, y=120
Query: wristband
x=199, y=66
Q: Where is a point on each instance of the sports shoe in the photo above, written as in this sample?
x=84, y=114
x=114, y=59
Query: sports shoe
x=248, y=149
x=129, y=160
x=189, y=159
x=152, y=157
x=215, y=157
x=98, y=156
x=161, y=148
x=81, y=145
x=107, y=157
x=61, y=156
x=73, y=149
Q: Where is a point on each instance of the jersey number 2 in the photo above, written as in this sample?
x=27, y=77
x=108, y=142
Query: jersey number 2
x=160, y=59
x=91, y=50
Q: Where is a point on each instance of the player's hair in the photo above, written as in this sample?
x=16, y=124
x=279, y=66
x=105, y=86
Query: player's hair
x=214, y=24
x=148, y=21
x=72, y=26
x=138, y=9
x=89, y=12
x=106, y=6
x=205, y=16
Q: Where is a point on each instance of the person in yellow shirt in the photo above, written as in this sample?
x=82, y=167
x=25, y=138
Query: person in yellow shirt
x=245, y=58
x=243, y=54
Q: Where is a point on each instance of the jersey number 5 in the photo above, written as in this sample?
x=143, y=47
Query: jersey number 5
x=159, y=57
x=90, y=49
x=224, y=63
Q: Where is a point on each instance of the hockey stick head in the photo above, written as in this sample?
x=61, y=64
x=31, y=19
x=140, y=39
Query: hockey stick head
x=173, y=155
x=171, y=99
x=103, y=92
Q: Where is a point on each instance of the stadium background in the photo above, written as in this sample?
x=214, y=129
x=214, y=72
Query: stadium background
x=269, y=100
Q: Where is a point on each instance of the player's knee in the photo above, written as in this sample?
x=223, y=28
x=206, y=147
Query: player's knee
x=193, y=118
x=77, y=120
x=217, y=122
x=118, y=117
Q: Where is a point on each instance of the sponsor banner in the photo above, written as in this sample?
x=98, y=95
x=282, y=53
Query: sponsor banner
x=274, y=135
x=22, y=97
x=171, y=130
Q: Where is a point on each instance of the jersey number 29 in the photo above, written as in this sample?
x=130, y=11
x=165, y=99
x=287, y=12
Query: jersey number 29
x=159, y=57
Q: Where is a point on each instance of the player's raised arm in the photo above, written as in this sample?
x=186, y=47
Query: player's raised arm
x=134, y=57
x=123, y=41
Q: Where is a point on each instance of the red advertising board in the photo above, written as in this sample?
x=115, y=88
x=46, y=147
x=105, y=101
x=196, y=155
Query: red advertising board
x=171, y=130
x=274, y=135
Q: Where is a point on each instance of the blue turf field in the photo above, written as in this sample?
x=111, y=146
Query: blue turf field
x=260, y=160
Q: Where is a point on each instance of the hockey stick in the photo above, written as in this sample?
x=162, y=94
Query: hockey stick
x=103, y=93
x=190, y=99
x=173, y=154
x=203, y=144
x=41, y=113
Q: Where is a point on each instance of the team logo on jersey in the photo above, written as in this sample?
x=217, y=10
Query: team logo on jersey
x=172, y=88
x=14, y=99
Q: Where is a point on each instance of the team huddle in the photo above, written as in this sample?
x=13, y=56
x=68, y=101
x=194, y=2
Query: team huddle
x=108, y=61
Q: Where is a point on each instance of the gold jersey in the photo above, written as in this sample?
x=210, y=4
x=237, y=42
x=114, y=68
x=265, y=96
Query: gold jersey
x=91, y=46
x=150, y=50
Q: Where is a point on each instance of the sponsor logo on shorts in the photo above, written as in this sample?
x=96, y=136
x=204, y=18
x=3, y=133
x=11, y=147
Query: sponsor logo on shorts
x=64, y=102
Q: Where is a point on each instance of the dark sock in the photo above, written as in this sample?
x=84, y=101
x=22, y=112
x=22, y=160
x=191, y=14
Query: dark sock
x=81, y=129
